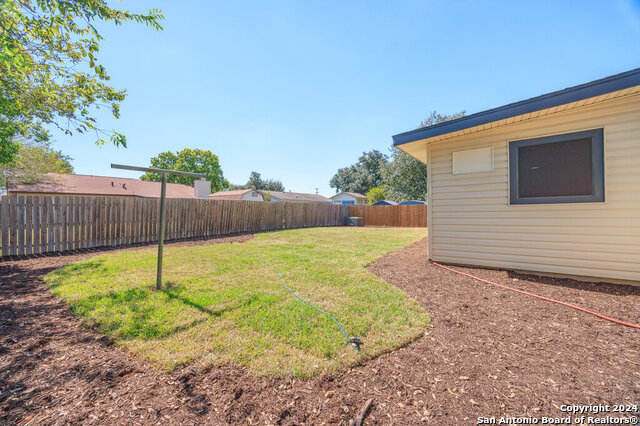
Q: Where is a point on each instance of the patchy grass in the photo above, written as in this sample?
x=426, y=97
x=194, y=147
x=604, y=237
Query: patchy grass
x=222, y=304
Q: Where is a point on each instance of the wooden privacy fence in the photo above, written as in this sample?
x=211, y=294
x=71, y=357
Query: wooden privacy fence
x=406, y=216
x=39, y=224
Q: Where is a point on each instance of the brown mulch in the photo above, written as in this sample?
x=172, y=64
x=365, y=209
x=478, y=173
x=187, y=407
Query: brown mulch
x=490, y=352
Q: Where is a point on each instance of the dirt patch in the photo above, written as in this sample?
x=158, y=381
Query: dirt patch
x=490, y=353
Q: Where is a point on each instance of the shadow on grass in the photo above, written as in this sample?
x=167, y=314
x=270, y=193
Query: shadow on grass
x=131, y=314
x=172, y=293
x=141, y=313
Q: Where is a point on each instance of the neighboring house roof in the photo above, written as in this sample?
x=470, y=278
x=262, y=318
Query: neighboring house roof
x=230, y=195
x=58, y=184
x=603, y=86
x=297, y=196
x=385, y=203
x=353, y=194
x=411, y=202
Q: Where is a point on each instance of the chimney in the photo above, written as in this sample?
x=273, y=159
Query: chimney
x=202, y=188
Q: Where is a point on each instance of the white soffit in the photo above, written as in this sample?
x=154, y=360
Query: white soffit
x=417, y=149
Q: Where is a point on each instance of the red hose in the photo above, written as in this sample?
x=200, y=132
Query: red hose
x=578, y=308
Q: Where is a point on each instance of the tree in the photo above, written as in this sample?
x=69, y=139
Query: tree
x=405, y=178
x=49, y=69
x=189, y=160
x=256, y=182
x=33, y=160
x=376, y=194
x=361, y=176
x=435, y=118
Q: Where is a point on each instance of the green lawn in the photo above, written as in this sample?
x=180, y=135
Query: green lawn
x=223, y=305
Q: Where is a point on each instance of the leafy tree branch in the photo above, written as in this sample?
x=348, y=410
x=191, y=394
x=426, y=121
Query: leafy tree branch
x=189, y=160
x=32, y=162
x=50, y=74
x=256, y=182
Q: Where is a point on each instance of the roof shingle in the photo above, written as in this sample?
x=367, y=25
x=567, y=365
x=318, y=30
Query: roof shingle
x=58, y=184
x=297, y=196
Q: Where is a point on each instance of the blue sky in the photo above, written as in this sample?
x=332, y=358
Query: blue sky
x=297, y=89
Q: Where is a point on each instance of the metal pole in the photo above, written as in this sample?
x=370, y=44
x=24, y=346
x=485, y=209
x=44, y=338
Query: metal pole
x=163, y=196
x=154, y=170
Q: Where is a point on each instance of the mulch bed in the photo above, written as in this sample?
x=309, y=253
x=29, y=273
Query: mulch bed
x=490, y=352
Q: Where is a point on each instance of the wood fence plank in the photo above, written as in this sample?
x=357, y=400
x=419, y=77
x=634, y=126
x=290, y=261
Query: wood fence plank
x=154, y=212
x=64, y=222
x=150, y=206
x=99, y=221
x=130, y=205
x=4, y=223
x=21, y=222
x=86, y=214
x=77, y=222
x=28, y=207
x=38, y=228
x=93, y=237
x=88, y=241
x=156, y=220
x=139, y=210
x=140, y=230
x=59, y=225
x=168, y=220
x=55, y=219
x=13, y=225
x=140, y=224
x=48, y=203
x=121, y=222
x=80, y=221
x=43, y=224
x=114, y=222
x=401, y=216
x=71, y=223
x=73, y=220
x=111, y=223
x=145, y=234
x=106, y=228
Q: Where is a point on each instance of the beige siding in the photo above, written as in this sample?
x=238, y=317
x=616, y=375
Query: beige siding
x=471, y=221
x=252, y=196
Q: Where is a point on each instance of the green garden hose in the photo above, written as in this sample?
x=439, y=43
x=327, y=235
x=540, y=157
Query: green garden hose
x=354, y=342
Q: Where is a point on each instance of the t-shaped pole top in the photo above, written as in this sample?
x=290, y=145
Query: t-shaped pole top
x=163, y=195
x=153, y=170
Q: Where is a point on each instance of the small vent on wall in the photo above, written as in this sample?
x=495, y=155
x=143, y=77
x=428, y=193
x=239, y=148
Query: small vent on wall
x=472, y=161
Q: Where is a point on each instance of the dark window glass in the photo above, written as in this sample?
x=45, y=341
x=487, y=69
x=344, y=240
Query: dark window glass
x=555, y=169
x=566, y=168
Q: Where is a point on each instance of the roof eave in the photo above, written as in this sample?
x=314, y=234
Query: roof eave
x=572, y=94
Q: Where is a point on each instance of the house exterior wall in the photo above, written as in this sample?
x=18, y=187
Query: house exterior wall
x=252, y=196
x=349, y=199
x=471, y=221
x=276, y=199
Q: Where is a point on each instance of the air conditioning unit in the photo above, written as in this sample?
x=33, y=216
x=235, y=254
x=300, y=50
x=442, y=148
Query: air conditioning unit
x=355, y=221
